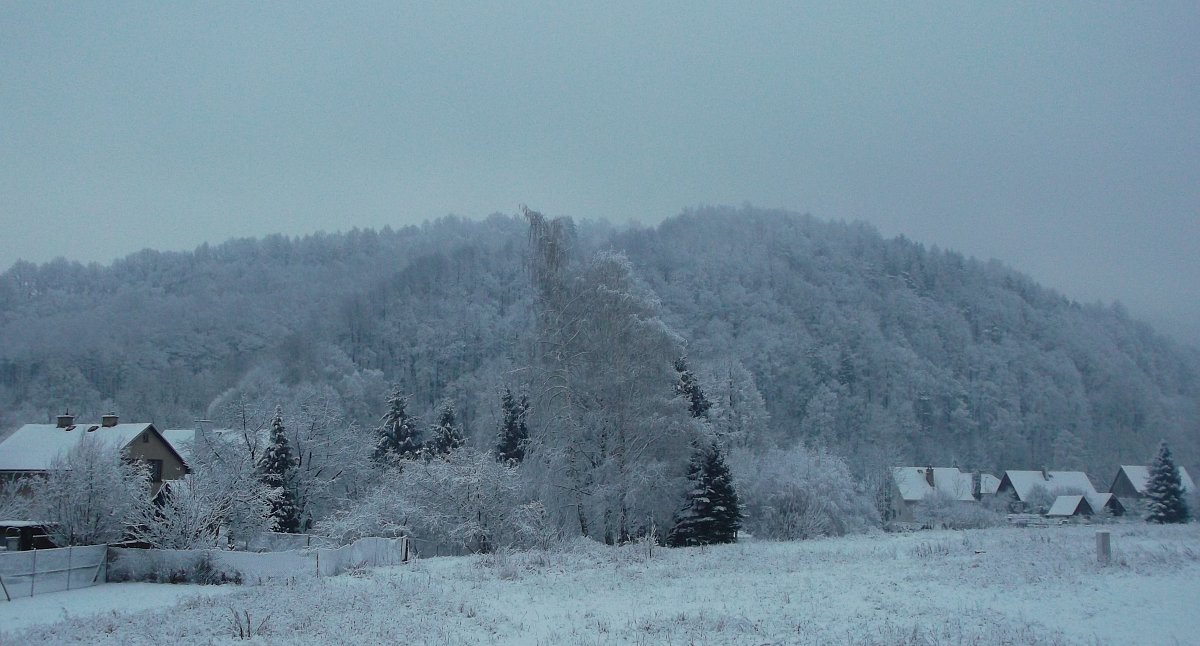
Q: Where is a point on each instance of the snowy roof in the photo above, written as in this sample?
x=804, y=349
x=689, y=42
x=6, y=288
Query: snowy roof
x=183, y=440
x=1139, y=477
x=34, y=446
x=988, y=483
x=1024, y=481
x=1065, y=506
x=913, y=483
x=1099, y=501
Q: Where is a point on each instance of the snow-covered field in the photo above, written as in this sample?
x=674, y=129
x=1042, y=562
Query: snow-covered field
x=999, y=586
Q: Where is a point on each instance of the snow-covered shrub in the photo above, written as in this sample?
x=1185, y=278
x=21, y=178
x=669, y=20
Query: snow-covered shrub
x=91, y=494
x=798, y=493
x=15, y=504
x=205, y=509
x=170, y=566
x=939, y=511
x=464, y=498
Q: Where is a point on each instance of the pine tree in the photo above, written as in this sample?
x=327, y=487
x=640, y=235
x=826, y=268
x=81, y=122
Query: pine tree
x=510, y=446
x=1164, y=490
x=445, y=436
x=711, y=513
x=689, y=387
x=275, y=469
x=398, y=435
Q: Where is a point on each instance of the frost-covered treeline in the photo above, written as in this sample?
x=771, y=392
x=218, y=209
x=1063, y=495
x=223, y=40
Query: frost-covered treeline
x=876, y=349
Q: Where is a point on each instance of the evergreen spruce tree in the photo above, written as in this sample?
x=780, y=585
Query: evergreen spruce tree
x=689, y=387
x=711, y=513
x=1164, y=490
x=510, y=446
x=274, y=468
x=398, y=437
x=445, y=436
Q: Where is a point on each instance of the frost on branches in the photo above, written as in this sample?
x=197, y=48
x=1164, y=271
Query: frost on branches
x=445, y=436
x=275, y=468
x=1164, y=491
x=712, y=513
x=91, y=494
x=397, y=437
x=513, y=435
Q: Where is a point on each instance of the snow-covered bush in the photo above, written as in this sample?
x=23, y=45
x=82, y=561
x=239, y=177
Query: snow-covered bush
x=465, y=498
x=15, y=504
x=91, y=495
x=939, y=511
x=205, y=509
x=798, y=493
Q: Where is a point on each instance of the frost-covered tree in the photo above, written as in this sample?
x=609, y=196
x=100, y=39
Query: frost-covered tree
x=1164, y=490
x=276, y=467
x=206, y=509
x=739, y=414
x=92, y=494
x=15, y=502
x=800, y=492
x=513, y=435
x=466, y=499
x=688, y=387
x=397, y=436
x=446, y=436
x=711, y=512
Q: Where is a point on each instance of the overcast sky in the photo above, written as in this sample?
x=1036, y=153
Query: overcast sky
x=1063, y=139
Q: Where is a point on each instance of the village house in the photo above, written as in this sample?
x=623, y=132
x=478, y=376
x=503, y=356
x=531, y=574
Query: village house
x=31, y=450
x=1070, y=507
x=1037, y=491
x=911, y=485
x=1131, y=482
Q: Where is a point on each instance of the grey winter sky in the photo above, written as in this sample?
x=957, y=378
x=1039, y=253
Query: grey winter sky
x=1063, y=139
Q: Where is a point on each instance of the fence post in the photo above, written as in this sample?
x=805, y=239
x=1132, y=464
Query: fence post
x=318, y=563
x=33, y=574
x=1103, y=547
x=69, y=552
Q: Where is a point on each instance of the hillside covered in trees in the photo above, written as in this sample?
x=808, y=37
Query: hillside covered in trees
x=798, y=329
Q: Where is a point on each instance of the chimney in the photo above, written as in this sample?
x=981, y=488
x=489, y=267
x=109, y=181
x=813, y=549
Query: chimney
x=976, y=485
x=929, y=475
x=109, y=420
x=66, y=420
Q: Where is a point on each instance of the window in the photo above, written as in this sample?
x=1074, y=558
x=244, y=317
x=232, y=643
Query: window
x=156, y=467
x=145, y=437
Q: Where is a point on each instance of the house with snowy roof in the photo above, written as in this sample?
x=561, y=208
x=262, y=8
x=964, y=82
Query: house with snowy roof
x=223, y=443
x=32, y=449
x=1070, y=507
x=1131, y=481
x=911, y=485
x=1038, y=490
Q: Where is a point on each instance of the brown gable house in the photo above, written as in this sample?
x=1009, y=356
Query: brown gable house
x=33, y=447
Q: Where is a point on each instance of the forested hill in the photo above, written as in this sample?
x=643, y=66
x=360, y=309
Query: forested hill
x=827, y=332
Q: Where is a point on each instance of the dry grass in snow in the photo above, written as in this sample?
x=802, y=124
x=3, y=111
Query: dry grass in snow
x=1014, y=586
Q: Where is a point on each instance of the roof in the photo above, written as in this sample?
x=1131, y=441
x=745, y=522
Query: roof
x=1023, y=482
x=33, y=447
x=988, y=483
x=1066, y=506
x=1139, y=477
x=183, y=440
x=1099, y=501
x=913, y=483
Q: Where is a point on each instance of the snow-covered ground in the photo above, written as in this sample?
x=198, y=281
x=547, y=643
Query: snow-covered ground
x=1015, y=586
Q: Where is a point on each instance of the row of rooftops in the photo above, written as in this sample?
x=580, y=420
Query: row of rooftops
x=916, y=483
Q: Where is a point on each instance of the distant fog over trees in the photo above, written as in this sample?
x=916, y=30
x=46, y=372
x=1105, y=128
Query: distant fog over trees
x=879, y=350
